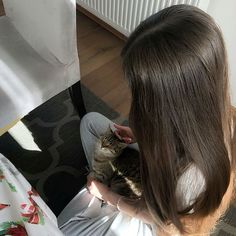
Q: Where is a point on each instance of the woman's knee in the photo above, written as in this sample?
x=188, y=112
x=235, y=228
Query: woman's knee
x=94, y=122
x=88, y=120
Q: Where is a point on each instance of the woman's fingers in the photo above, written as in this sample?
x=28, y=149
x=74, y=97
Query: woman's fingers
x=124, y=133
x=117, y=134
x=98, y=189
x=127, y=140
x=89, y=181
x=120, y=127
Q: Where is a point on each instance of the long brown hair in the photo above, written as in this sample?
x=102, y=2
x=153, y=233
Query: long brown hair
x=175, y=63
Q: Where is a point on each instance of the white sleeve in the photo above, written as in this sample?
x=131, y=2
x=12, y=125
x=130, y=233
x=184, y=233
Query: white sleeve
x=190, y=184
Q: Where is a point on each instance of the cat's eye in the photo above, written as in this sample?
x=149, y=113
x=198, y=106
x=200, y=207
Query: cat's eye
x=104, y=144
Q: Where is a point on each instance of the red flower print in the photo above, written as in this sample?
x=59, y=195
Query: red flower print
x=32, y=192
x=16, y=230
x=2, y=206
x=32, y=212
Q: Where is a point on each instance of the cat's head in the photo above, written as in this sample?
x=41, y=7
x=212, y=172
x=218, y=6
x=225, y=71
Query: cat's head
x=111, y=143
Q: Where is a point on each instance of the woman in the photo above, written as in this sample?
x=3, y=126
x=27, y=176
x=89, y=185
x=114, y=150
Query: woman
x=175, y=64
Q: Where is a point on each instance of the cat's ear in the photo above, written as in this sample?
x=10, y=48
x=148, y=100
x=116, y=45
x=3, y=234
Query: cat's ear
x=102, y=136
x=122, y=145
x=110, y=129
x=107, y=133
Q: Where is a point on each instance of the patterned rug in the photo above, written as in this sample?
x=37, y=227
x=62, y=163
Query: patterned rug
x=59, y=170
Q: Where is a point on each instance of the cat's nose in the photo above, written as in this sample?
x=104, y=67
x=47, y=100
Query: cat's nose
x=103, y=145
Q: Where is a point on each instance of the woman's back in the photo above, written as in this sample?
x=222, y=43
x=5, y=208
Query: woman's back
x=176, y=65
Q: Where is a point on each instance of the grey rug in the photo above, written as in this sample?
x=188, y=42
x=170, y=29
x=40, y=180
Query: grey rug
x=59, y=170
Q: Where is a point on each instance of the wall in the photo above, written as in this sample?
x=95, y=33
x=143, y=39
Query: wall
x=224, y=14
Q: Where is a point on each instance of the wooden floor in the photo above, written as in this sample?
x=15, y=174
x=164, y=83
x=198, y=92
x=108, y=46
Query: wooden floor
x=99, y=54
x=1, y=8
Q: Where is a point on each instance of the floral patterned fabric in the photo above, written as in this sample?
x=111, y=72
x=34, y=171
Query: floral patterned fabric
x=22, y=211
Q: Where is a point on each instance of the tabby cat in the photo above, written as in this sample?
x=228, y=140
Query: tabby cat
x=117, y=166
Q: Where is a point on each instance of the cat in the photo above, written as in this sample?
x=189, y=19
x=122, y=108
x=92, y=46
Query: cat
x=117, y=165
x=126, y=179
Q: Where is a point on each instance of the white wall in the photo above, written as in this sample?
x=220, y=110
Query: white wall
x=224, y=12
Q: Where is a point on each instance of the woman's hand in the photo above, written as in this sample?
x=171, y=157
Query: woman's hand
x=102, y=192
x=97, y=189
x=124, y=133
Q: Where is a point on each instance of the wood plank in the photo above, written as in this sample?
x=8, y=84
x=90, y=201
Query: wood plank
x=2, y=12
x=106, y=82
x=104, y=78
x=96, y=49
x=124, y=107
x=96, y=46
x=102, y=23
x=118, y=96
x=101, y=69
x=84, y=25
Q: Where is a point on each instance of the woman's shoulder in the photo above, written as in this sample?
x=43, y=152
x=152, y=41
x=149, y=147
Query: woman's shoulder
x=189, y=186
